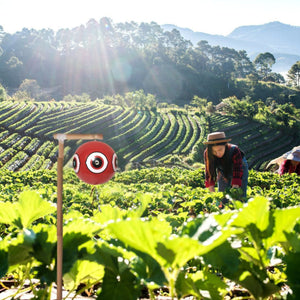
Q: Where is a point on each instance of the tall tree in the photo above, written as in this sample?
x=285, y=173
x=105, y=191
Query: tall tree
x=243, y=65
x=294, y=74
x=264, y=63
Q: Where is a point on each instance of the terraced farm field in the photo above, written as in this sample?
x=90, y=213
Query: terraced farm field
x=26, y=135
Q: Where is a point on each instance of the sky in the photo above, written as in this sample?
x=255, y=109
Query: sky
x=208, y=16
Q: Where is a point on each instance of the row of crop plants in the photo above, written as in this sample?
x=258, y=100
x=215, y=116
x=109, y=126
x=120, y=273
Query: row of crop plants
x=61, y=121
x=219, y=122
x=40, y=121
x=184, y=132
x=100, y=120
x=18, y=149
x=132, y=131
x=26, y=131
x=116, y=127
x=135, y=135
x=39, y=110
x=196, y=129
x=163, y=146
x=144, y=137
x=170, y=132
x=10, y=112
x=149, y=147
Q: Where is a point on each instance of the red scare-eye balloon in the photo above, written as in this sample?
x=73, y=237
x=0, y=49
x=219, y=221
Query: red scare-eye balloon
x=95, y=162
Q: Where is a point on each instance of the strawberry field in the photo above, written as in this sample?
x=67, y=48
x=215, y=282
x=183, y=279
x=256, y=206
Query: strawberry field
x=149, y=233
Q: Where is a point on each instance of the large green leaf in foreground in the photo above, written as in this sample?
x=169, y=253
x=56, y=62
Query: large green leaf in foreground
x=28, y=209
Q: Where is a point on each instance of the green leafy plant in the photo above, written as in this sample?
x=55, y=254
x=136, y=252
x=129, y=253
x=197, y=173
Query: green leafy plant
x=122, y=238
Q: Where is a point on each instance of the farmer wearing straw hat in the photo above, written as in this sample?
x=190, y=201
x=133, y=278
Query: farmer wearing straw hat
x=291, y=164
x=224, y=163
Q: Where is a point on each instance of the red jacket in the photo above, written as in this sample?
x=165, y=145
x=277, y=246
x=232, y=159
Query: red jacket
x=287, y=167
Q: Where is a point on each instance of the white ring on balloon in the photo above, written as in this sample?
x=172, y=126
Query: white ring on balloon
x=76, y=157
x=114, y=162
x=91, y=157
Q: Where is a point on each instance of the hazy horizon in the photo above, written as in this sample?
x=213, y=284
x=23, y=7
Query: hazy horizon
x=212, y=17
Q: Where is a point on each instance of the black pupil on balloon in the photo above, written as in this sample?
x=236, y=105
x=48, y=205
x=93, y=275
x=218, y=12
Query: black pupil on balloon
x=97, y=162
x=74, y=163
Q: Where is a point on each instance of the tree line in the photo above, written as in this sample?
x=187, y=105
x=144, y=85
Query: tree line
x=106, y=58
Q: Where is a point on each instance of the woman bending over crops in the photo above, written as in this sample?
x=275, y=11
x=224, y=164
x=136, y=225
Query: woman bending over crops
x=224, y=163
x=291, y=164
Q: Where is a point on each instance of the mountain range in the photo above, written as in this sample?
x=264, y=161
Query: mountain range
x=282, y=40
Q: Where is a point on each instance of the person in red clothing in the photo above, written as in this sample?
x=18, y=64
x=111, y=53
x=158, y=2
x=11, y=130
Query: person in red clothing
x=225, y=164
x=291, y=164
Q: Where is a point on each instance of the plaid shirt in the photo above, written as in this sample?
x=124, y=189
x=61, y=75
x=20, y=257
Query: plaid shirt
x=237, y=167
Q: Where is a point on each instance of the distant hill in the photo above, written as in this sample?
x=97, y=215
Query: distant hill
x=282, y=40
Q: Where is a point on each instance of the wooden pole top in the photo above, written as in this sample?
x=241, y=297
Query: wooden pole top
x=77, y=136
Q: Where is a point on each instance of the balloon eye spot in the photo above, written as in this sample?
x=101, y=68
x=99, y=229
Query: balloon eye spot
x=97, y=162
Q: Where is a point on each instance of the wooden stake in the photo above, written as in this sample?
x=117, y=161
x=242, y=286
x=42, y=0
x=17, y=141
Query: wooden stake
x=59, y=223
x=60, y=163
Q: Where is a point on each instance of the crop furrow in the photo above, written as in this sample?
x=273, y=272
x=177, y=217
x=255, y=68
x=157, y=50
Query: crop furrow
x=154, y=134
x=195, y=134
x=134, y=128
x=144, y=136
x=169, y=132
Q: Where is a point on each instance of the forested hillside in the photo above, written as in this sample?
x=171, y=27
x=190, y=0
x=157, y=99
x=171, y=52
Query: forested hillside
x=139, y=134
x=282, y=40
x=103, y=58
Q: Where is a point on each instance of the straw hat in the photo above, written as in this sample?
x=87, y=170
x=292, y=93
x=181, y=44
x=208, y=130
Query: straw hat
x=295, y=155
x=216, y=138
